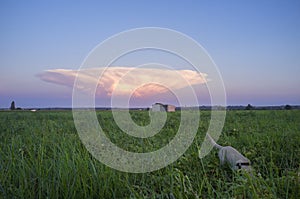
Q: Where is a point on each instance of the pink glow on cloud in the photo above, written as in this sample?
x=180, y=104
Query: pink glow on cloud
x=122, y=81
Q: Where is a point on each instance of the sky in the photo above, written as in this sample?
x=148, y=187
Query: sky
x=254, y=44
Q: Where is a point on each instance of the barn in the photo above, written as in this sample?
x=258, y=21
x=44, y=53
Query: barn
x=163, y=107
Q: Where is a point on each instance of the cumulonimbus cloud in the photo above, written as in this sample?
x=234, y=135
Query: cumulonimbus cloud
x=123, y=80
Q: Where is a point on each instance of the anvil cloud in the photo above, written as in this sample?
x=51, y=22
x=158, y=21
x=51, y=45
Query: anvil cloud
x=122, y=81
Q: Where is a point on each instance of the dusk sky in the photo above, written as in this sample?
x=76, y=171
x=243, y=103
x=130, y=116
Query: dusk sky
x=255, y=44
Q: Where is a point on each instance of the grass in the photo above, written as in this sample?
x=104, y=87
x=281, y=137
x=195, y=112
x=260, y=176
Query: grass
x=41, y=156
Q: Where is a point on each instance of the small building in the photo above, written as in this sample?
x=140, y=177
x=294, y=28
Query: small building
x=163, y=107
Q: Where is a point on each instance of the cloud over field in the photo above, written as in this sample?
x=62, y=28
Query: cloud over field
x=138, y=82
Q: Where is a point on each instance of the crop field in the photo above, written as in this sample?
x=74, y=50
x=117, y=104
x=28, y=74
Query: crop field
x=42, y=156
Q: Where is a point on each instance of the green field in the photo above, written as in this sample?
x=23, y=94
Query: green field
x=41, y=156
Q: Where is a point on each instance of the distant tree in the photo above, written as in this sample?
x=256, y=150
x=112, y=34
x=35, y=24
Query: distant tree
x=287, y=107
x=249, y=107
x=12, y=105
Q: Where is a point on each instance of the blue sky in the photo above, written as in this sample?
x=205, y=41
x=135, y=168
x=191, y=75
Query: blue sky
x=255, y=44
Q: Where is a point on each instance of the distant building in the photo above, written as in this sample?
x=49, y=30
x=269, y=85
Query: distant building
x=163, y=107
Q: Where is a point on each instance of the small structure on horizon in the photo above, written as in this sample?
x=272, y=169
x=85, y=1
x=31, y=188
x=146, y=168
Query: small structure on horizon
x=12, y=105
x=163, y=107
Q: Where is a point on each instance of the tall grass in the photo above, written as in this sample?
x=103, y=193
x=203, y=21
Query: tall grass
x=41, y=156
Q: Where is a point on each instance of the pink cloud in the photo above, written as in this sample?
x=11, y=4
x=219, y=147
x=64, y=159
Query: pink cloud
x=122, y=81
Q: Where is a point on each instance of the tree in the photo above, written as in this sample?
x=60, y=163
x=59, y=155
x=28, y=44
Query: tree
x=288, y=107
x=249, y=107
x=12, y=105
